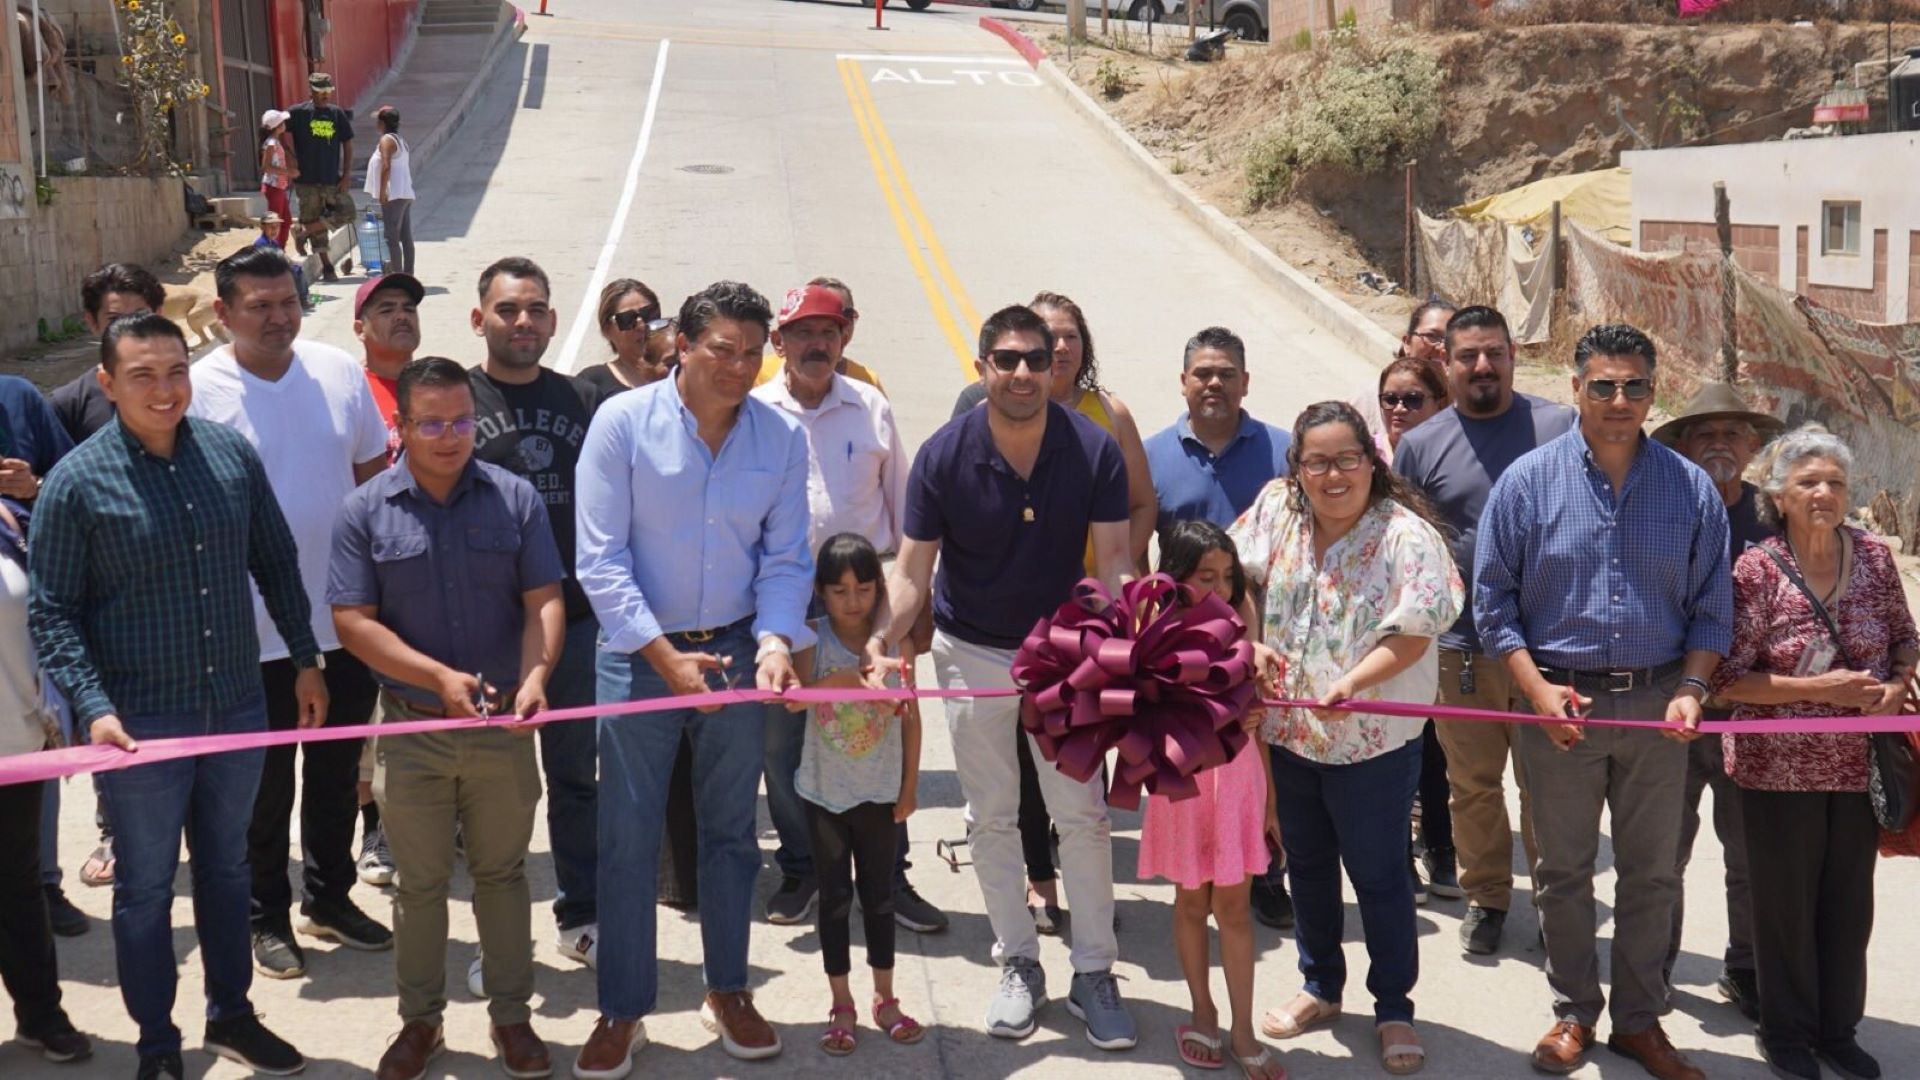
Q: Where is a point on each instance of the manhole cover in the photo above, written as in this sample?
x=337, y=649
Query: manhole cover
x=707, y=170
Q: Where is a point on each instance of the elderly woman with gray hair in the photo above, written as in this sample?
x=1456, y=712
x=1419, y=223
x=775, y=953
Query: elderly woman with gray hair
x=1821, y=628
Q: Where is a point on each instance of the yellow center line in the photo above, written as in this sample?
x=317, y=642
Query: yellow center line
x=851, y=80
x=952, y=280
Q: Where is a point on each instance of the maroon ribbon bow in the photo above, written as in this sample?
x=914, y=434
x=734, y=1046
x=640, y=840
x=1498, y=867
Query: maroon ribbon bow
x=1166, y=682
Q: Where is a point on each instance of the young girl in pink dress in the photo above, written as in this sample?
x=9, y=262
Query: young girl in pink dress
x=1212, y=846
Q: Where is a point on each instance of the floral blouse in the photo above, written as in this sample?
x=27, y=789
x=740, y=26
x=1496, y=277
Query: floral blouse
x=1772, y=625
x=1391, y=575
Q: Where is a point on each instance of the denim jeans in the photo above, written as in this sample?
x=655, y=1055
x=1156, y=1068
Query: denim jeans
x=637, y=753
x=1354, y=815
x=210, y=798
x=569, y=757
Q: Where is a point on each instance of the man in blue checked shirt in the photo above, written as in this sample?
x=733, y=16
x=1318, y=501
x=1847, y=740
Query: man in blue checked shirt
x=692, y=548
x=1601, y=581
x=143, y=543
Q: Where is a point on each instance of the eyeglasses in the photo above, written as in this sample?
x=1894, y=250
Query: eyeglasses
x=1606, y=389
x=1009, y=360
x=1432, y=337
x=1412, y=400
x=627, y=320
x=1351, y=461
x=435, y=429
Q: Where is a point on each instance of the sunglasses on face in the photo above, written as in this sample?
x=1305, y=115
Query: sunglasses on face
x=627, y=320
x=1009, y=360
x=1351, y=461
x=1412, y=400
x=434, y=429
x=1605, y=389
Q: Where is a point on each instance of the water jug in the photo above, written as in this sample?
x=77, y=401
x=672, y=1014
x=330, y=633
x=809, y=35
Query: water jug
x=373, y=244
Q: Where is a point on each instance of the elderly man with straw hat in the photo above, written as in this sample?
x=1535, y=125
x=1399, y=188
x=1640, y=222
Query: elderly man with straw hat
x=1721, y=435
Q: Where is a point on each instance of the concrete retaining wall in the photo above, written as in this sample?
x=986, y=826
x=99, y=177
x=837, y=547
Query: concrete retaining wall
x=93, y=220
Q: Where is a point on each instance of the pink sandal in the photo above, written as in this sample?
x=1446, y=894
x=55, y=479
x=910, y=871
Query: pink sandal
x=840, y=1040
x=904, y=1030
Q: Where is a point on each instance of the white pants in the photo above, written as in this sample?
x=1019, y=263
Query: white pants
x=983, y=732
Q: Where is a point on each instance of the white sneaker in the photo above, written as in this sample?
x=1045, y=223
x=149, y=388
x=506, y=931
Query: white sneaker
x=474, y=986
x=581, y=944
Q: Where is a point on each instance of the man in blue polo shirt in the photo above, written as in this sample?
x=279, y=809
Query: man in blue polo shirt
x=1007, y=496
x=1209, y=464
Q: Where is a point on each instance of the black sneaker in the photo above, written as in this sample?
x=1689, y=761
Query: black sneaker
x=60, y=1045
x=156, y=1066
x=1741, y=987
x=1419, y=887
x=914, y=912
x=1480, y=931
x=245, y=1040
x=1443, y=877
x=276, y=955
x=793, y=902
x=1271, y=904
x=1791, y=1062
x=1848, y=1059
x=347, y=924
x=67, y=920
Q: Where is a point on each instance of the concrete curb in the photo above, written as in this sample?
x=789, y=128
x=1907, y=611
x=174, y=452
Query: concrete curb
x=1334, y=315
x=509, y=32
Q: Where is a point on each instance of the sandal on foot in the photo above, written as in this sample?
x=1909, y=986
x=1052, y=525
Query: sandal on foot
x=1261, y=1066
x=1186, y=1036
x=904, y=1029
x=1283, y=1023
x=1401, y=1050
x=98, y=869
x=839, y=1040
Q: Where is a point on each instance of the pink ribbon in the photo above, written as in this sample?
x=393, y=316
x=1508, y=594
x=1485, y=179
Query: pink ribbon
x=1163, y=682
x=80, y=760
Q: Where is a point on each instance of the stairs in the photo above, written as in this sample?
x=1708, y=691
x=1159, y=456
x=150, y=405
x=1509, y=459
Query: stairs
x=462, y=16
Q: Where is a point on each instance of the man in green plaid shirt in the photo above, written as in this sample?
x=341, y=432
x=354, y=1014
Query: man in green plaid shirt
x=143, y=543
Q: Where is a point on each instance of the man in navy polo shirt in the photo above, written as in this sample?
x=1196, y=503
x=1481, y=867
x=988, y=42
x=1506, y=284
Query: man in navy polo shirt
x=1008, y=497
x=1209, y=464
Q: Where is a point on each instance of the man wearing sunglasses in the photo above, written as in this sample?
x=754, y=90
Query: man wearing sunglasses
x=1602, y=581
x=531, y=421
x=445, y=580
x=1007, y=496
x=1455, y=457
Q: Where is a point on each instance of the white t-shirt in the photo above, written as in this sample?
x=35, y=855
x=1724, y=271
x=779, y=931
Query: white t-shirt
x=310, y=427
x=21, y=729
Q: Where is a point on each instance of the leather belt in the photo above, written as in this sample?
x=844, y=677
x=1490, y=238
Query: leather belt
x=1612, y=682
x=701, y=637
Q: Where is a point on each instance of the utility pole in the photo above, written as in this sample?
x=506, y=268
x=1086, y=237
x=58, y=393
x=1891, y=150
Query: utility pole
x=1077, y=20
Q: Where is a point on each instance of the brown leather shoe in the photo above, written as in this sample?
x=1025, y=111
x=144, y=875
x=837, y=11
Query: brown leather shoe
x=1655, y=1054
x=1563, y=1047
x=522, y=1055
x=742, y=1032
x=609, y=1052
x=413, y=1049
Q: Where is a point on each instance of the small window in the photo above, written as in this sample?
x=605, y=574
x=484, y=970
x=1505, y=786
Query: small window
x=1840, y=228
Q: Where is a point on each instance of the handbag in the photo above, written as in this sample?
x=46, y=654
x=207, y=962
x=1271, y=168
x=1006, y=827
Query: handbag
x=1893, y=757
x=1904, y=841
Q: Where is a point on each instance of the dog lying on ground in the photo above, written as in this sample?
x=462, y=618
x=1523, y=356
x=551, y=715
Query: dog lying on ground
x=192, y=311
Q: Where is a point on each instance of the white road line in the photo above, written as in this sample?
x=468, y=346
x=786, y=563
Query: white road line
x=590, y=297
x=910, y=58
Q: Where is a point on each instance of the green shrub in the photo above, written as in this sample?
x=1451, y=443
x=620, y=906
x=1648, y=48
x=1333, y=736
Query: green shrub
x=1358, y=107
x=1112, y=78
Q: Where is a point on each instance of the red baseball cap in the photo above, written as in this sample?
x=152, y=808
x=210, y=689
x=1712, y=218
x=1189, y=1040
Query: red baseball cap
x=407, y=283
x=810, y=301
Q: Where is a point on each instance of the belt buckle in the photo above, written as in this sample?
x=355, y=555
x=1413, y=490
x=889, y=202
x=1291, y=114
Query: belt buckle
x=1614, y=687
x=696, y=637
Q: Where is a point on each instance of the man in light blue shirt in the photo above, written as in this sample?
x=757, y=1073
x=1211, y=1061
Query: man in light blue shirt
x=1211, y=463
x=692, y=549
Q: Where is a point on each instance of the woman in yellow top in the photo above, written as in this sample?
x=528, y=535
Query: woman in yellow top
x=1076, y=386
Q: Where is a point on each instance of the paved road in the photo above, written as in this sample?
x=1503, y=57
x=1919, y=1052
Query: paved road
x=769, y=141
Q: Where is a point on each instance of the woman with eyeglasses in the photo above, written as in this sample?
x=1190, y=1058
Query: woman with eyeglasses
x=1353, y=582
x=1426, y=341
x=641, y=339
x=1076, y=385
x=1411, y=390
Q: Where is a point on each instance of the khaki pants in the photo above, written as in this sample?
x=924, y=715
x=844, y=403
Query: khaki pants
x=488, y=781
x=1477, y=753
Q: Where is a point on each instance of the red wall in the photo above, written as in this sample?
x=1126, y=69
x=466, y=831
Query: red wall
x=360, y=47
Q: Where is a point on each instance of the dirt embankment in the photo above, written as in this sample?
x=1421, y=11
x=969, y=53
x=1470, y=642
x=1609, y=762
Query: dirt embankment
x=1519, y=104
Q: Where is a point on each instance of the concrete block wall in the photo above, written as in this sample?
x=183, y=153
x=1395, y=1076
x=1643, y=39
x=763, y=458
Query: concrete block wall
x=93, y=220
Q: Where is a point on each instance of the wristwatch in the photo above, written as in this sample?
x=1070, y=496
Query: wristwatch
x=319, y=663
x=769, y=645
